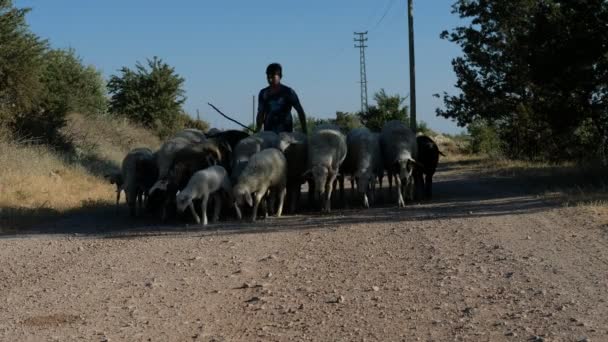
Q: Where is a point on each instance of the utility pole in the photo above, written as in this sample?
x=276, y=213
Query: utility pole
x=253, y=111
x=198, y=116
x=361, y=39
x=410, y=22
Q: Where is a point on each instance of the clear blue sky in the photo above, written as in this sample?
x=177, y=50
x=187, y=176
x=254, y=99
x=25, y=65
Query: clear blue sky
x=222, y=48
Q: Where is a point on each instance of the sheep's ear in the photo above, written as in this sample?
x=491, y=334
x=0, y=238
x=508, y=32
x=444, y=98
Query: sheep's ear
x=417, y=164
x=442, y=153
x=248, y=199
x=307, y=174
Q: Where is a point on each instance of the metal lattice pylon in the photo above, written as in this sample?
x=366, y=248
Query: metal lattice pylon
x=361, y=39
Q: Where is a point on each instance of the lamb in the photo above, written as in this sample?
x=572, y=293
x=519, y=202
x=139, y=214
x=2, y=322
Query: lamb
x=186, y=162
x=266, y=171
x=294, y=146
x=363, y=161
x=399, y=151
x=428, y=157
x=326, y=152
x=248, y=147
x=139, y=171
x=205, y=184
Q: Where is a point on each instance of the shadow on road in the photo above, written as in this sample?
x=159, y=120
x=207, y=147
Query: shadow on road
x=457, y=195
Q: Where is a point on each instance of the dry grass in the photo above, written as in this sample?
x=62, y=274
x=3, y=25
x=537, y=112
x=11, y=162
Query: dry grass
x=38, y=183
x=570, y=183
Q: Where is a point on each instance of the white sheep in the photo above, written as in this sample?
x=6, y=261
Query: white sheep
x=248, y=147
x=265, y=172
x=399, y=151
x=326, y=152
x=205, y=184
x=363, y=162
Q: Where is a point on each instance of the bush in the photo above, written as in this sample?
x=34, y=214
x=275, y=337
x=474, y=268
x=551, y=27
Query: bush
x=484, y=139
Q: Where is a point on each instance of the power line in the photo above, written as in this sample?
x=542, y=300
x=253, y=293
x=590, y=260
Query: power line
x=388, y=8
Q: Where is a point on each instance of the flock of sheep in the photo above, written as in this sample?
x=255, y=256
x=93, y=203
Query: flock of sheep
x=265, y=170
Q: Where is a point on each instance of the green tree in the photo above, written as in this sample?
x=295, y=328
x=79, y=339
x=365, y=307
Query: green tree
x=347, y=121
x=388, y=107
x=152, y=95
x=21, y=54
x=72, y=86
x=534, y=69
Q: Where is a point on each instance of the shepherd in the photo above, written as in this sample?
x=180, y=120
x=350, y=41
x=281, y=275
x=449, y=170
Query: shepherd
x=275, y=103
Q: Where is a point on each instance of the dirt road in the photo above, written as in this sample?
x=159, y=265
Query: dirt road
x=485, y=261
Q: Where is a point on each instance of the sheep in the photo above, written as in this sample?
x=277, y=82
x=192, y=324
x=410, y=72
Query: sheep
x=212, y=131
x=186, y=162
x=294, y=146
x=399, y=151
x=363, y=161
x=428, y=157
x=326, y=152
x=139, y=172
x=182, y=139
x=203, y=184
x=265, y=172
x=248, y=147
x=164, y=159
x=231, y=136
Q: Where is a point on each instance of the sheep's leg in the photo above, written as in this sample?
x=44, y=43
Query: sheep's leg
x=365, y=200
x=271, y=202
x=204, y=208
x=256, y=203
x=400, y=201
x=139, y=202
x=311, y=194
x=372, y=189
x=428, y=184
x=282, y=193
x=196, y=218
x=390, y=182
x=298, y=195
x=380, y=178
x=292, y=197
x=118, y=191
x=328, y=191
x=166, y=204
x=217, y=206
x=340, y=179
x=410, y=188
x=238, y=211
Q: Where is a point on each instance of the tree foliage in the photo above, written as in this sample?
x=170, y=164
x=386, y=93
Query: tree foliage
x=536, y=70
x=151, y=95
x=70, y=85
x=387, y=107
x=21, y=62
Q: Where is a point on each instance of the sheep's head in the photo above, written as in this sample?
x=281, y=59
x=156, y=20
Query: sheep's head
x=319, y=175
x=183, y=200
x=364, y=181
x=242, y=194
